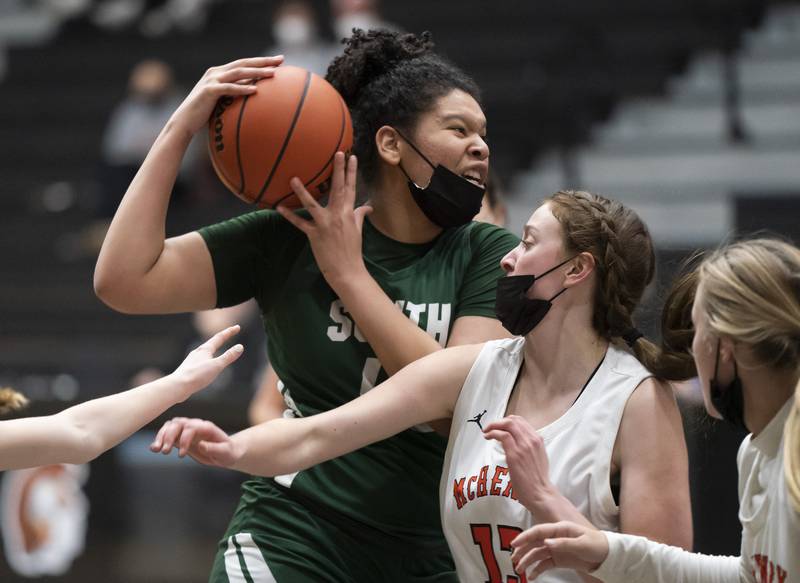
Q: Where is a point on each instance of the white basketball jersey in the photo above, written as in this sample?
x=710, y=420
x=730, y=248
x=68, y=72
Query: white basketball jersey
x=480, y=513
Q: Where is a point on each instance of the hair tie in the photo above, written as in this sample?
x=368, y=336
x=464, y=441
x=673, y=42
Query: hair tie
x=631, y=336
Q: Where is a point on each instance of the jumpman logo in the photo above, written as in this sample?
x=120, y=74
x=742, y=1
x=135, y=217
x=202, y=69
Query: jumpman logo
x=477, y=419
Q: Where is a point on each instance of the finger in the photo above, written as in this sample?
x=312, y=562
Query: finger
x=503, y=437
x=221, y=338
x=505, y=424
x=241, y=73
x=300, y=191
x=232, y=89
x=541, y=568
x=268, y=61
x=171, y=434
x=210, y=432
x=336, y=197
x=536, y=535
x=231, y=355
x=351, y=177
x=304, y=225
x=156, y=445
x=534, y=555
x=360, y=213
x=187, y=437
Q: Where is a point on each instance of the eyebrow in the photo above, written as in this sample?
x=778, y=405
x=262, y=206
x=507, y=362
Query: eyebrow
x=462, y=118
x=528, y=229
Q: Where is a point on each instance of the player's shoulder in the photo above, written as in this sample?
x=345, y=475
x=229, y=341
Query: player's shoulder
x=477, y=240
x=486, y=234
x=262, y=223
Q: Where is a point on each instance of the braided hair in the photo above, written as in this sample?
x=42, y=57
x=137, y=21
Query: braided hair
x=625, y=258
x=390, y=78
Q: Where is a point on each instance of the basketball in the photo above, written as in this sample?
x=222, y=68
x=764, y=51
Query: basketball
x=292, y=126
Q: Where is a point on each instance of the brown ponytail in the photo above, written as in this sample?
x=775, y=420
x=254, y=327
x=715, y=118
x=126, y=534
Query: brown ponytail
x=672, y=359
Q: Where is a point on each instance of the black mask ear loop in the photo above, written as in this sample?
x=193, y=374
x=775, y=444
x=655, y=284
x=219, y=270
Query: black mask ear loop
x=716, y=363
x=421, y=155
x=413, y=147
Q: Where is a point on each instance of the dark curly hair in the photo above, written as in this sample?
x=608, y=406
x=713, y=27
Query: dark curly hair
x=390, y=78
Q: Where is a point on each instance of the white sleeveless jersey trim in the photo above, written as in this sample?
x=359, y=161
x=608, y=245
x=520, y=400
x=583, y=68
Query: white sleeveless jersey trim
x=478, y=504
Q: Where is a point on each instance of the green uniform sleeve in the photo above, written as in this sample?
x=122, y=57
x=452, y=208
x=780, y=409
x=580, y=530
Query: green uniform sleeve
x=489, y=245
x=248, y=252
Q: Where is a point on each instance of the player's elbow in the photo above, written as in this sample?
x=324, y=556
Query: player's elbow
x=80, y=445
x=114, y=292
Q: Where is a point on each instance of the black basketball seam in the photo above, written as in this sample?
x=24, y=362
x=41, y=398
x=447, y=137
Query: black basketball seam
x=286, y=140
x=336, y=149
x=238, y=148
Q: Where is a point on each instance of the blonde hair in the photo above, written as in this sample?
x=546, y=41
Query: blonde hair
x=791, y=451
x=11, y=400
x=751, y=293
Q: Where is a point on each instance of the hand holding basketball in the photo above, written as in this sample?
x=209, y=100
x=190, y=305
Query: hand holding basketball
x=231, y=79
x=334, y=231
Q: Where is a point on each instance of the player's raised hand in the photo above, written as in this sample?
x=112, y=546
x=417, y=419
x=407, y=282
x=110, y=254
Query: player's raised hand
x=232, y=79
x=200, y=439
x=558, y=545
x=334, y=231
x=201, y=366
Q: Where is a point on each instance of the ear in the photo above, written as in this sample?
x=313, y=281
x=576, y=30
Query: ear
x=727, y=349
x=579, y=269
x=388, y=144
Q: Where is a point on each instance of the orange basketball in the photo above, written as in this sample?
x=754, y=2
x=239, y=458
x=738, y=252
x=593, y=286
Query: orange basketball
x=292, y=126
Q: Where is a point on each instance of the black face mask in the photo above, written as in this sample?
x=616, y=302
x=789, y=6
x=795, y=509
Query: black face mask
x=728, y=400
x=449, y=200
x=516, y=311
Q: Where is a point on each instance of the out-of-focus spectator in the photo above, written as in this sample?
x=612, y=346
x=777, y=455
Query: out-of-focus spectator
x=363, y=14
x=295, y=32
x=133, y=127
x=153, y=17
x=493, y=207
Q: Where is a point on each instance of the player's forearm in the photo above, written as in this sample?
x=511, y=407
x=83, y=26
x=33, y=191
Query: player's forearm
x=633, y=559
x=552, y=506
x=396, y=339
x=98, y=425
x=277, y=447
x=135, y=239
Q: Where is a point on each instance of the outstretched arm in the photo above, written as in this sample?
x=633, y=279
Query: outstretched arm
x=614, y=557
x=81, y=433
x=139, y=270
x=426, y=389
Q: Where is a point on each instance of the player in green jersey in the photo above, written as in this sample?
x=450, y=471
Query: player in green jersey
x=346, y=300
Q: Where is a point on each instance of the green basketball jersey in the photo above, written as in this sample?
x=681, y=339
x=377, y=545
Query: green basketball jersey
x=324, y=361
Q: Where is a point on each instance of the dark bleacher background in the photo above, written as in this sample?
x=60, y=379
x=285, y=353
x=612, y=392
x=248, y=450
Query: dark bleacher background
x=552, y=73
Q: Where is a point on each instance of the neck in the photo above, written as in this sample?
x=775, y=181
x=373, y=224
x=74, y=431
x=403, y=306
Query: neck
x=765, y=391
x=396, y=215
x=562, y=351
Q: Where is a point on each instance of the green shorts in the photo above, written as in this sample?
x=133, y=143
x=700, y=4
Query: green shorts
x=275, y=538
